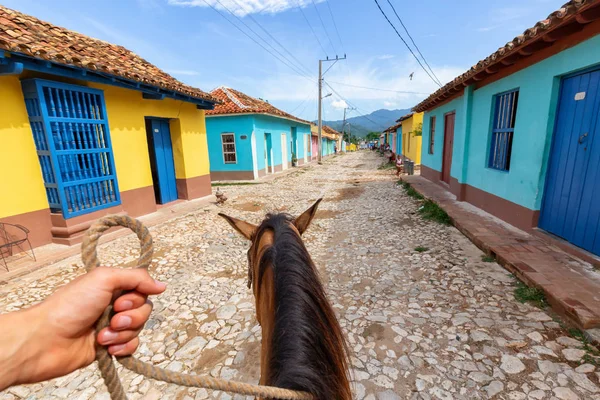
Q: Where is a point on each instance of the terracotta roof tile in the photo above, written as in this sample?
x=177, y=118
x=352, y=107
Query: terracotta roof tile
x=405, y=117
x=570, y=11
x=27, y=35
x=235, y=102
x=327, y=131
x=393, y=127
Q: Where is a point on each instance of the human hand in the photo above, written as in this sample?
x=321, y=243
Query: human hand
x=57, y=336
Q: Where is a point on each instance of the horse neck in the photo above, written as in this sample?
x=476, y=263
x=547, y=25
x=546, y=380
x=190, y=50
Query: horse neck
x=306, y=349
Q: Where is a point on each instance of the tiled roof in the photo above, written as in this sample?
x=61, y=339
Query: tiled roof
x=235, y=102
x=329, y=130
x=29, y=36
x=326, y=132
x=393, y=127
x=567, y=20
x=405, y=117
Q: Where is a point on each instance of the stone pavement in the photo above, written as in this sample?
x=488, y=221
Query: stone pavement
x=572, y=286
x=434, y=324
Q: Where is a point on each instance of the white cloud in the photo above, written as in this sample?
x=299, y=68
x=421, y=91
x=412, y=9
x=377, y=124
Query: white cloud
x=242, y=8
x=341, y=104
x=385, y=57
x=286, y=90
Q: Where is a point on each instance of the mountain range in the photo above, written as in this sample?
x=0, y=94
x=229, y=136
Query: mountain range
x=377, y=121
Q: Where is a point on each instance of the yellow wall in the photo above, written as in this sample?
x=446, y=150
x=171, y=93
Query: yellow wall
x=126, y=111
x=411, y=144
x=21, y=183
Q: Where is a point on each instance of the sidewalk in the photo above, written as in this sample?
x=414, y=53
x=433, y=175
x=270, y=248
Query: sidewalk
x=21, y=264
x=571, y=286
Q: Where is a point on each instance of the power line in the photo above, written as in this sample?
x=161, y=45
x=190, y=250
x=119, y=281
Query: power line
x=303, y=101
x=296, y=69
x=378, y=89
x=254, y=40
x=406, y=44
x=305, y=69
x=310, y=26
x=313, y=98
x=413, y=42
x=323, y=25
x=334, y=24
x=358, y=109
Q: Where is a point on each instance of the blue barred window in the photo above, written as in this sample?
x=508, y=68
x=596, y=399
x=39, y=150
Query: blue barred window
x=505, y=112
x=72, y=139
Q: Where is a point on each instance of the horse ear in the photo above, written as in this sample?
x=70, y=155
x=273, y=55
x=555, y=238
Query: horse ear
x=244, y=228
x=304, y=220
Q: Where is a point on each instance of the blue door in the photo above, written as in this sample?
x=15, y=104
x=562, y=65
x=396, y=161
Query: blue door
x=295, y=142
x=571, y=209
x=161, y=160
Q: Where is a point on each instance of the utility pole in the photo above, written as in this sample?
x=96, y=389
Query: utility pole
x=344, y=123
x=321, y=97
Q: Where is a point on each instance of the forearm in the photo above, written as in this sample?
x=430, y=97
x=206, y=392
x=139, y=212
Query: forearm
x=17, y=346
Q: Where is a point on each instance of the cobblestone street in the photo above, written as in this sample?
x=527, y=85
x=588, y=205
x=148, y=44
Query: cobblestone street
x=435, y=324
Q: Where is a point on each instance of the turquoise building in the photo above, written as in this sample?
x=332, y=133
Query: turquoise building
x=249, y=138
x=518, y=135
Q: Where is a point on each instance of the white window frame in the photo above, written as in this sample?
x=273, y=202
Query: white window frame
x=234, y=152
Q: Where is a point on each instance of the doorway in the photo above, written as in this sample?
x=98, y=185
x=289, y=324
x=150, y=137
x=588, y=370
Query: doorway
x=162, y=163
x=448, y=146
x=268, y=154
x=254, y=155
x=284, y=152
x=570, y=208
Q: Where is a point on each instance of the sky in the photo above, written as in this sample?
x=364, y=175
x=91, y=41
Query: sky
x=197, y=42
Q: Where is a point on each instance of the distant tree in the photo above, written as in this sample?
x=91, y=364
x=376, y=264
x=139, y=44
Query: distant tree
x=372, y=136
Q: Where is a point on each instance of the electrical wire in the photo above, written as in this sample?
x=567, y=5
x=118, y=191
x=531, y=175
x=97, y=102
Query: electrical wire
x=378, y=89
x=323, y=25
x=358, y=109
x=306, y=70
x=254, y=40
x=413, y=42
x=406, y=44
x=299, y=6
x=335, y=25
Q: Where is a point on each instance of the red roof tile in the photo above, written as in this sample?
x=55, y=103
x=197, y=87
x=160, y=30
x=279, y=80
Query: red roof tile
x=394, y=127
x=235, y=102
x=532, y=40
x=27, y=35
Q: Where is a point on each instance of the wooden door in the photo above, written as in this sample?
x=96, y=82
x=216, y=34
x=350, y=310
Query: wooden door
x=570, y=208
x=448, y=146
x=161, y=160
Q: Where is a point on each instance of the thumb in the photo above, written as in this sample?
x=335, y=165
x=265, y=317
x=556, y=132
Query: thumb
x=112, y=279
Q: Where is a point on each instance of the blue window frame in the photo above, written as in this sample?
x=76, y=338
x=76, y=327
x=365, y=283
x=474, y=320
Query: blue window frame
x=503, y=127
x=72, y=139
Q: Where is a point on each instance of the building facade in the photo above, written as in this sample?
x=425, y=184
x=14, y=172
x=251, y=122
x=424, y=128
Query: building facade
x=412, y=126
x=91, y=130
x=518, y=134
x=249, y=138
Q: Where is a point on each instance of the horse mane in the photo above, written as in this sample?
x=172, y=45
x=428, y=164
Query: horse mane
x=308, y=350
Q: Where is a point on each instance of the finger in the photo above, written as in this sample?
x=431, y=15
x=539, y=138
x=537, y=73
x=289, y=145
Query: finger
x=129, y=301
x=108, y=336
x=132, y=319
x=125, y=349
x=138, y=279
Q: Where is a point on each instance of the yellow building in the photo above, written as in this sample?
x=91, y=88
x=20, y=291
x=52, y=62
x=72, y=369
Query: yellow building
x=88, y=128
x=412, y=131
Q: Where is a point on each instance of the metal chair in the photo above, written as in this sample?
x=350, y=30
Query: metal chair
x=13, y=235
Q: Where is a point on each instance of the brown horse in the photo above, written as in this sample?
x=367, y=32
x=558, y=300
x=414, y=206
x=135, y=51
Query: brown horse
x=302, y=343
